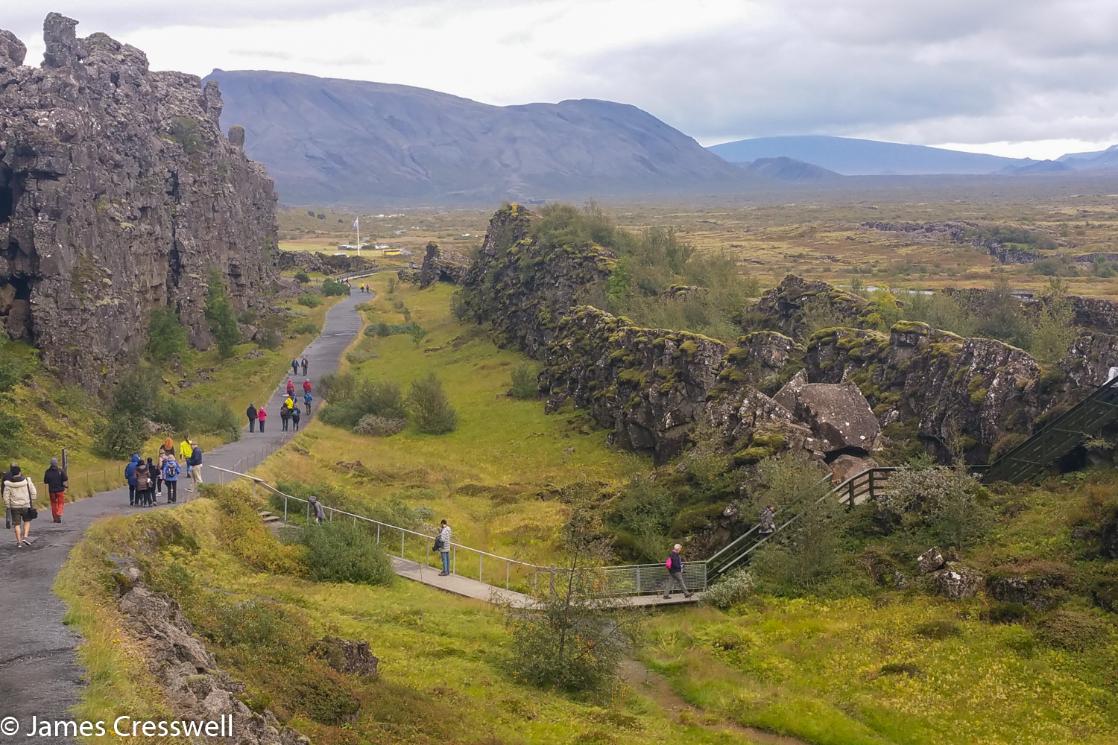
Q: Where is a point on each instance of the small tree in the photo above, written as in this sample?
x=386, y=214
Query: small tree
x=524, y=382
x=431, y=411
x=574, y=639
x=166, y=335
x=1055, y=326
x=220, y=315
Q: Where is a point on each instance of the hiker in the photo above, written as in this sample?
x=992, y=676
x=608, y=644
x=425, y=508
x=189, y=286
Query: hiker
x=143, y=485
x=285, y=415
x=442, y=545
x=55, y=479
x=194, y=466
x=307, y=398
x=294, y=367
x=305, y=364
x=295, y=414
x=250, y=412
x=19, y=498
x=674, y=565
x=306, y=385
x=130, y=477
x=156, y=484
x=319, y=512
x=290, y=388
x=171, y=471
x=767, y=521
x=185, y=449
x=261, y=416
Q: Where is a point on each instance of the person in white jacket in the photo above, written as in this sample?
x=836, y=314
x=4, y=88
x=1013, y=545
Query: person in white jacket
x=19, y=498
x=443, y=542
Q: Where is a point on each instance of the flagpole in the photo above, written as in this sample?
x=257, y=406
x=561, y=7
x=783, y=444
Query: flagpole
x=357, y=222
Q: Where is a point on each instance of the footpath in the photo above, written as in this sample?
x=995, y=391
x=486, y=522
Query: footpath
x=39, y=670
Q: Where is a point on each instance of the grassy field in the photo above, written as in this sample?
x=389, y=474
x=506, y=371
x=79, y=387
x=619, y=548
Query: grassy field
x=496, y=477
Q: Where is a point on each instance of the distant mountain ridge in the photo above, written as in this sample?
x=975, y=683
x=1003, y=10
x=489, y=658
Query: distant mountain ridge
x=341, y=141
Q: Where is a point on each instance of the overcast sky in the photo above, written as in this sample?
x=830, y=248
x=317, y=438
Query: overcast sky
x=1013, y=77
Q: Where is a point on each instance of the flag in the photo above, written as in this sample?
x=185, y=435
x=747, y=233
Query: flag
x=356, y=223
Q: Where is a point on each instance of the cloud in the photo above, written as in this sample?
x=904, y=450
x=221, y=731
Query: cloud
x=962, y=71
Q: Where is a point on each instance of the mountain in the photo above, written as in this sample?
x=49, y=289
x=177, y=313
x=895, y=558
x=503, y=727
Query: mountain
x=1097, y=160
x=1038, y=166
x=788, y=169
x=856, y=157
x=343, y=141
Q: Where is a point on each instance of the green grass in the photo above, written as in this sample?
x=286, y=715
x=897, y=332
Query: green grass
x=495, y=477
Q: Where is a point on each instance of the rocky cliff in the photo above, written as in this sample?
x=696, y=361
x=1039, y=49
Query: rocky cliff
x=118, y=194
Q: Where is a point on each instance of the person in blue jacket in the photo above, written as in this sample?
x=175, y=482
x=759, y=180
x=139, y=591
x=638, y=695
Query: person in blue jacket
x=171, y=471
x=130, y=477
x=307, y=398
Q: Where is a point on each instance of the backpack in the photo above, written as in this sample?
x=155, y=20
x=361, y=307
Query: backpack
x=195, y=458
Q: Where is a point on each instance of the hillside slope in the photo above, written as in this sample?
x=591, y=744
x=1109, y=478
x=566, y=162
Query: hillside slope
x=854, y=157
x=343, y=141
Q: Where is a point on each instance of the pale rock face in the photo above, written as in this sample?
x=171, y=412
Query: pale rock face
x=118, y=194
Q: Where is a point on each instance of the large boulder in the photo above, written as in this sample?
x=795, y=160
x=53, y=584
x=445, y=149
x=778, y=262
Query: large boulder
x=930, y=561
x=441, y=266
x=1037, y=584
x=796, y=305
x=957, y=581
x=760, y=359
x=347, y=656
x=838, y=413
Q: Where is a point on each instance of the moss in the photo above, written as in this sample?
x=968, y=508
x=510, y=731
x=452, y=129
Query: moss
x=632, y=377
x=732, y=375
x=689, y=348
x=775, y=441
x=912, y=327
x=976, y=391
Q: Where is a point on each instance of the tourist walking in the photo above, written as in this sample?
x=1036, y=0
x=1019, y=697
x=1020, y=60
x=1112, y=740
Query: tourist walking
x=130, y=477
x=319, y=511
x=156, y=483
x=143, y=485
x=56, y=481
x=171, y=471
x=307, y=385
x=285, y=415
x=766, y=524
x=19, y=497
x=195, y=466
x=442, y=545
x=261, y=417
x=307, y=398
x=295, y=414
x=674, y=564
x=185, y=449
x=290, y=388
x=250, y=412
x=305, y=364
x=294, y=367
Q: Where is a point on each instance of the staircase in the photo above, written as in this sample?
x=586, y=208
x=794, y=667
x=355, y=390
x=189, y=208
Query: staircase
x=1056, y=439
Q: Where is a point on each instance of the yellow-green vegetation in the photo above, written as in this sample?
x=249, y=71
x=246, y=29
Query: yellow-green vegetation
x=443, y=676
x=497, y=476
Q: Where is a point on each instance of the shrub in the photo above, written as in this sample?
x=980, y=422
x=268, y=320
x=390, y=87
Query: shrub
x=641, y=516
x=948, y=504
x=122, y=435
x=378, y=399
x=332, y=287
x=806, y=554
x=220, y=315
x=270, y=338
x=166, y=335
x=344, y=552
x=379, y=426
x=257, y=627
x=392, y=329
x=430, y=409
x=524, y=382
x=1073, y=630
x=302, y=277
x=309, y=300
x=1007, y=613
x=337, y=386
x=309, y=328
x=736, y=587
x=939, y=629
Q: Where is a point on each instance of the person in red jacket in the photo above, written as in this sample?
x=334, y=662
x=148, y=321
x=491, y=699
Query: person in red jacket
x=261, y=415
x=306, y=385
x=290, y=387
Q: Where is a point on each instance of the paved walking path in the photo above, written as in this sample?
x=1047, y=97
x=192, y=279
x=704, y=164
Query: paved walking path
x=39, y=671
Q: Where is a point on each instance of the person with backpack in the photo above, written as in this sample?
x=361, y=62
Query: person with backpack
x=143, y=485
x=185, y=449
x=171, y=471
x=285, y=416
x=306, y=385
x=305, y=364
x=442, y=545
x=295, y=415
x=307, y=398
x=290, y=388
x=261, y=417
x=130, y=477
x=194, y=466
x=674, y=565
x=319, y=511
x=56, y=480
x=250, y=412
x=156, y=477
x=767, y=522
x=19, y=497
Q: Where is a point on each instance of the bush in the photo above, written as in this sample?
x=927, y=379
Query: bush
x=1007, y=613
x=734, y=588
x=337, y=386
x=302, y=277
x=220, y=315
x=166, y=335
x=309, y=300
x=1073, y=630
x=392, y=329
x=379, y=426
x=430, y=409
x=344, y=552
x=939, y=629
x=309, y=328
x=348, y=405
x=332, y=287
x=122, y=435
x=805, y=555
x=949, y=505
x=525, y=383
x=269, y=339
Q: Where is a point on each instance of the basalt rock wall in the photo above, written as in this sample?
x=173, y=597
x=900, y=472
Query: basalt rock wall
x=118, y=194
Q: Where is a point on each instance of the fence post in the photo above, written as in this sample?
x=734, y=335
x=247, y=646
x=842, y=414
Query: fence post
x=638, y=580
x=480, y=564
x=401, y=543
x=285, y=509
x=507, y=574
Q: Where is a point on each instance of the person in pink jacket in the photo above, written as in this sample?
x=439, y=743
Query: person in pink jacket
x=261, y=415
